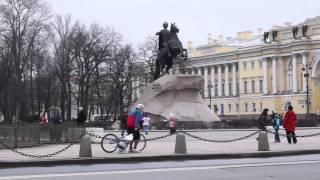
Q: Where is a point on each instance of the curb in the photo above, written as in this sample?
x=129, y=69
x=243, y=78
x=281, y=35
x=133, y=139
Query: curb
x=134, y=159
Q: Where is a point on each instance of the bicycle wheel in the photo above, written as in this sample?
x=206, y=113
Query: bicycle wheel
x=142, y=143
x=109, y=143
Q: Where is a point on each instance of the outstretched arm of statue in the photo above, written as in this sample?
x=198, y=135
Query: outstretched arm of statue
x=157, y=33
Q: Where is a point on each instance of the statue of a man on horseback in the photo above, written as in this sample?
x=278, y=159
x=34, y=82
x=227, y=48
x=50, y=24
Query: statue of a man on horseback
x=170, y=48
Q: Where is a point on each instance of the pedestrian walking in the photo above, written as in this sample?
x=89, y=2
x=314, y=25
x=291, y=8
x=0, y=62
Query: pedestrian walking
x=276, y=126
x=289, y=124
x=133, y=126
x=146, y=123
x=81, y=116
x=263, y=120
x=172, y=123
x=43, y=119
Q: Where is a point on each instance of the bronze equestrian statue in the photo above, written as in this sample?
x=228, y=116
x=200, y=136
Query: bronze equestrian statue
x=170, y=48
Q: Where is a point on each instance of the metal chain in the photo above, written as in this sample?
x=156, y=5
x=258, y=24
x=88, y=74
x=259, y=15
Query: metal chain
x=218, y=141
x=93, y=135
x=40, y=156
x=123, y=140
x=301, y=136
x=160, y=137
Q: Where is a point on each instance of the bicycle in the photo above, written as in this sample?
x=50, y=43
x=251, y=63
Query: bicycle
x=111, y=143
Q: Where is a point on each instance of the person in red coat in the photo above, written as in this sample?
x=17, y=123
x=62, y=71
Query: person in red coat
x=289, y=124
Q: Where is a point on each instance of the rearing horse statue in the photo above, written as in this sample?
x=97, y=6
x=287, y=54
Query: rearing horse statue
x=167, y=55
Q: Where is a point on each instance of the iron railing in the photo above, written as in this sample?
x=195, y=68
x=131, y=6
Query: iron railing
x=31, y=135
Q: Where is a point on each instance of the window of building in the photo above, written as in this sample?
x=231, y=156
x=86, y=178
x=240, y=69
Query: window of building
x=216, y=89
x=253, y=87
x=260, y=64
x=254, y=107
x=229, y=68
x=245, y=107
x=215, y=108
x=261, y=86
x=237, y=107
x=223, y=89
x=244, y=65
x=290, y=76
x=230, y=89
x=261, y=107
x=252, y=64
x=222, y=109
x=245, y=87
x=229, y=107
x=238, y=88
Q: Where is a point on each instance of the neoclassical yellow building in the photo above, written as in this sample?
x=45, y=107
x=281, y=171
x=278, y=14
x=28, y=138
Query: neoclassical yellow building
x=244, y=75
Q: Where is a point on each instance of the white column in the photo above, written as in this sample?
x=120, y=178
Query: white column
x=205, y=82
x=199, y=71
x=192, y=71
x=294, y=73
x=212, y=81
x=281, y=75
x=226, y=85
x=234, y=80
x=265, y=75
x=219, y=81
x=304, y=64
x=274, y=75
x=138, y=86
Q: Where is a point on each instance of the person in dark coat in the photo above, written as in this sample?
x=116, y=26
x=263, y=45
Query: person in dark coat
x=263, y=120
x=81, y=116
x=289, y=124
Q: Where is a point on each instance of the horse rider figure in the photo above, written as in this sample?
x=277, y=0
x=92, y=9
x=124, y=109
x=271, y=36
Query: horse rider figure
x=304, y=30
x=265, y=36
x=164, y=36
x=295, y=30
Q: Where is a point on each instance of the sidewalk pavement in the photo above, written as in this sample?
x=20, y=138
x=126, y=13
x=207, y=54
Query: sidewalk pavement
x=163, y=149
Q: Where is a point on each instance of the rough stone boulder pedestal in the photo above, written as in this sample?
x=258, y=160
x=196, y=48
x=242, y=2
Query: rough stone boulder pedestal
x=178, y=94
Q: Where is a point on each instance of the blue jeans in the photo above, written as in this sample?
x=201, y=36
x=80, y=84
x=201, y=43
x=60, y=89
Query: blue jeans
x=146, y=129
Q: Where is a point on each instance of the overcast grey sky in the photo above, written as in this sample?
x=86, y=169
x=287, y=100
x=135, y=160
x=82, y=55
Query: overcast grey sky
x=137, y=19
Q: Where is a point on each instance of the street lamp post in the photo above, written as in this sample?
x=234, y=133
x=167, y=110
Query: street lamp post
x=209, y=89
x=306, y=75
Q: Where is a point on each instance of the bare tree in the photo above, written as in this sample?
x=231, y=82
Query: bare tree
x=63, y=40
x=91, y=48
x=148, y=52
x=122, y=71
x=21, y=24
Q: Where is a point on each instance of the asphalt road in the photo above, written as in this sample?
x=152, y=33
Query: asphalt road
x=282, y=168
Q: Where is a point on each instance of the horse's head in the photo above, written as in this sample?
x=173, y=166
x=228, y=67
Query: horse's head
x=174, y=28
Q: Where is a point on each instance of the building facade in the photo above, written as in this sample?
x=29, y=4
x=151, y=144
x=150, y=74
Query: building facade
x=246, y=74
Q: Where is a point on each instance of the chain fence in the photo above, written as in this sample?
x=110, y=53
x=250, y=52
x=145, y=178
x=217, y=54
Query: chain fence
x=13, y=149
x=218, y=141
x=300, y=136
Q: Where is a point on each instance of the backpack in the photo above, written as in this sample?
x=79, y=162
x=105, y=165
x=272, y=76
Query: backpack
x=130, y=121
